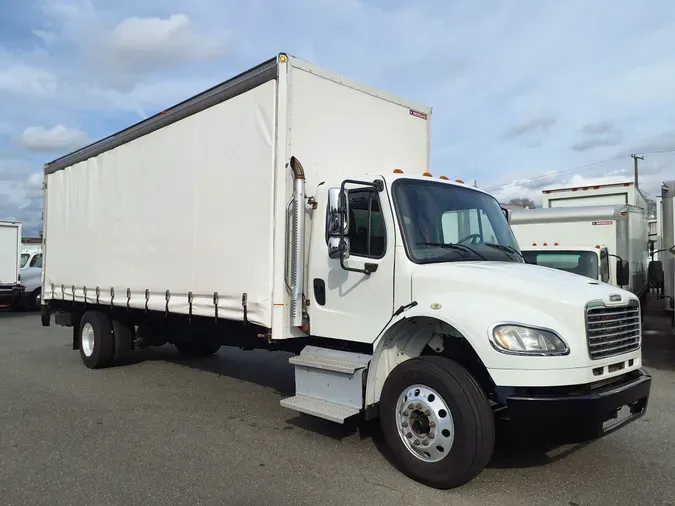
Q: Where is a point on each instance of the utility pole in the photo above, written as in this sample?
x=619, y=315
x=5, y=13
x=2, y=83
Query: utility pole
x=635, y=166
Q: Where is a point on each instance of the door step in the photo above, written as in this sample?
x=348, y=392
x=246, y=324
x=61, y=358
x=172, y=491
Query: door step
x=321, y=408
x=328, y=383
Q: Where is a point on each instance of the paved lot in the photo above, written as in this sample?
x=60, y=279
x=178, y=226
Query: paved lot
x=212, y=432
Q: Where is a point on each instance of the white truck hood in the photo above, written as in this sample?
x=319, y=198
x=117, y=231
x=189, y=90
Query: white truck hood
x=472, y=296
x=524, y=281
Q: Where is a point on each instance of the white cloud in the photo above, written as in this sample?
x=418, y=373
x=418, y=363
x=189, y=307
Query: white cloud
x=58, y=138
x=25, y=79
x=138, y=47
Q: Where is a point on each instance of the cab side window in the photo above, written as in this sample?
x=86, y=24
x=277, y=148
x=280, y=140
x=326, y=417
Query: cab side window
x=367, y=231
x=36, y=261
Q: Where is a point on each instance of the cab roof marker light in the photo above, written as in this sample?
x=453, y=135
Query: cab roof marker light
x=545, y=244
x=398, y=171
x=427, y=174
x=555, y=244
x=459, y=181
x=444, y=178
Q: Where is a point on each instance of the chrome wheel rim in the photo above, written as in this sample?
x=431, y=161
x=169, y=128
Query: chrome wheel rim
x=87, y=343
x=425, y=423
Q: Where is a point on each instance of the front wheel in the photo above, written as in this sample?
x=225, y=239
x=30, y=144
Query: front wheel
x=438, y=421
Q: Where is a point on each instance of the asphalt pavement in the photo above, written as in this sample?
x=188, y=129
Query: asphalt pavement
x=210, y=431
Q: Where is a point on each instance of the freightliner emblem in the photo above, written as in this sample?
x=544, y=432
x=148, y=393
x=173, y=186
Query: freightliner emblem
x=615, y=297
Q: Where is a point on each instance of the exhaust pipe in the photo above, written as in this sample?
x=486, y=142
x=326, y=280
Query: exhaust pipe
x=298, y=243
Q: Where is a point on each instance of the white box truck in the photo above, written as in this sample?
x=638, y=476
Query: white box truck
x=10, y=247
x=605, y=242
x=595, y=195
x=662, y=269
x=291, y=208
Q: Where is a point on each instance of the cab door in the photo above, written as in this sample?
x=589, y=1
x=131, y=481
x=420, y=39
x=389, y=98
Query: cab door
x=352, y=298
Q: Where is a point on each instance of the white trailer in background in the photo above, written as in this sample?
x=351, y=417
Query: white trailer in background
x=10, y=247
x=603, y=242
x=595, y=195
x=662, y=269
x=291, y=208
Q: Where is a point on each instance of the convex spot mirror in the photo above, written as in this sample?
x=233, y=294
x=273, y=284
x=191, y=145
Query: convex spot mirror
x=337, y=213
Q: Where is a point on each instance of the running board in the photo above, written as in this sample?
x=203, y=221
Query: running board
x=328, y=383
x=317, y=407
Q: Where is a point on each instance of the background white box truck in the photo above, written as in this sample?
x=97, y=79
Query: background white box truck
x=292, y=208
x=10, y=247
x=606, y=242
x=595, y=195
x=662, y=269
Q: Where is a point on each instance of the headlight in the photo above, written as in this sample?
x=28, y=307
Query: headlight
x=521, y=340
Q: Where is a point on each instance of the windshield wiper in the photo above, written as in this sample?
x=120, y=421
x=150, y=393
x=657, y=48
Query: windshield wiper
x=453, y=246
x=502, y=247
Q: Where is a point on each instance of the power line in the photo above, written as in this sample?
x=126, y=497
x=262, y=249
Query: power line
x=549, y=174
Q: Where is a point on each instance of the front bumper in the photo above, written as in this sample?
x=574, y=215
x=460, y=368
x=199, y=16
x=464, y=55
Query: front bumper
x=578, y=413
x=10, y=294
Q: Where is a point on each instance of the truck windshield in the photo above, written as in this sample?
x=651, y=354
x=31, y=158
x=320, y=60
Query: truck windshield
x=447, y=223
x=584, y=263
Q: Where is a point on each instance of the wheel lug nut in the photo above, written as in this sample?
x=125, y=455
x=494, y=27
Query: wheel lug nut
x=404, y=424
x=431, y=435
x=405, y=413
x=411, y=406
x=425, y=442
x=427, y=413
x=408, y=435
x=432, y=424
x=417, y=442
x=419, y=406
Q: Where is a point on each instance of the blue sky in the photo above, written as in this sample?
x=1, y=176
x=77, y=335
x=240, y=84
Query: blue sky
x=519, y=89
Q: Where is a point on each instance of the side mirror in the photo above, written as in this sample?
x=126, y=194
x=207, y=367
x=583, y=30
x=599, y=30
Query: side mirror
x=622, y=273
x=655, y=273
x=506, y=213
x=336, y=207
x=336, y=214
x=337, y=246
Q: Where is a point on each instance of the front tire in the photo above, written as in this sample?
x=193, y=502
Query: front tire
x=96, y=340
x=438, y=422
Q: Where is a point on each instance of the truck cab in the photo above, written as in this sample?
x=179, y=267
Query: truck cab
x=425, y=268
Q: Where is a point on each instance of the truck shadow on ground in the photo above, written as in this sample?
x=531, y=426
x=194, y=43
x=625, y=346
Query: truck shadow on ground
x=272, y=370
x=262, y=367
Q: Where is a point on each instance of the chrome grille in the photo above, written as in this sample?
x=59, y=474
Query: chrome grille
x=613, y=330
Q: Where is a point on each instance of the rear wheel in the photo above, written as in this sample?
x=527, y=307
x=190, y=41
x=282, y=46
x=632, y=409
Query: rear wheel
x=438, y=421
x=96, y=340
x=123, y=338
